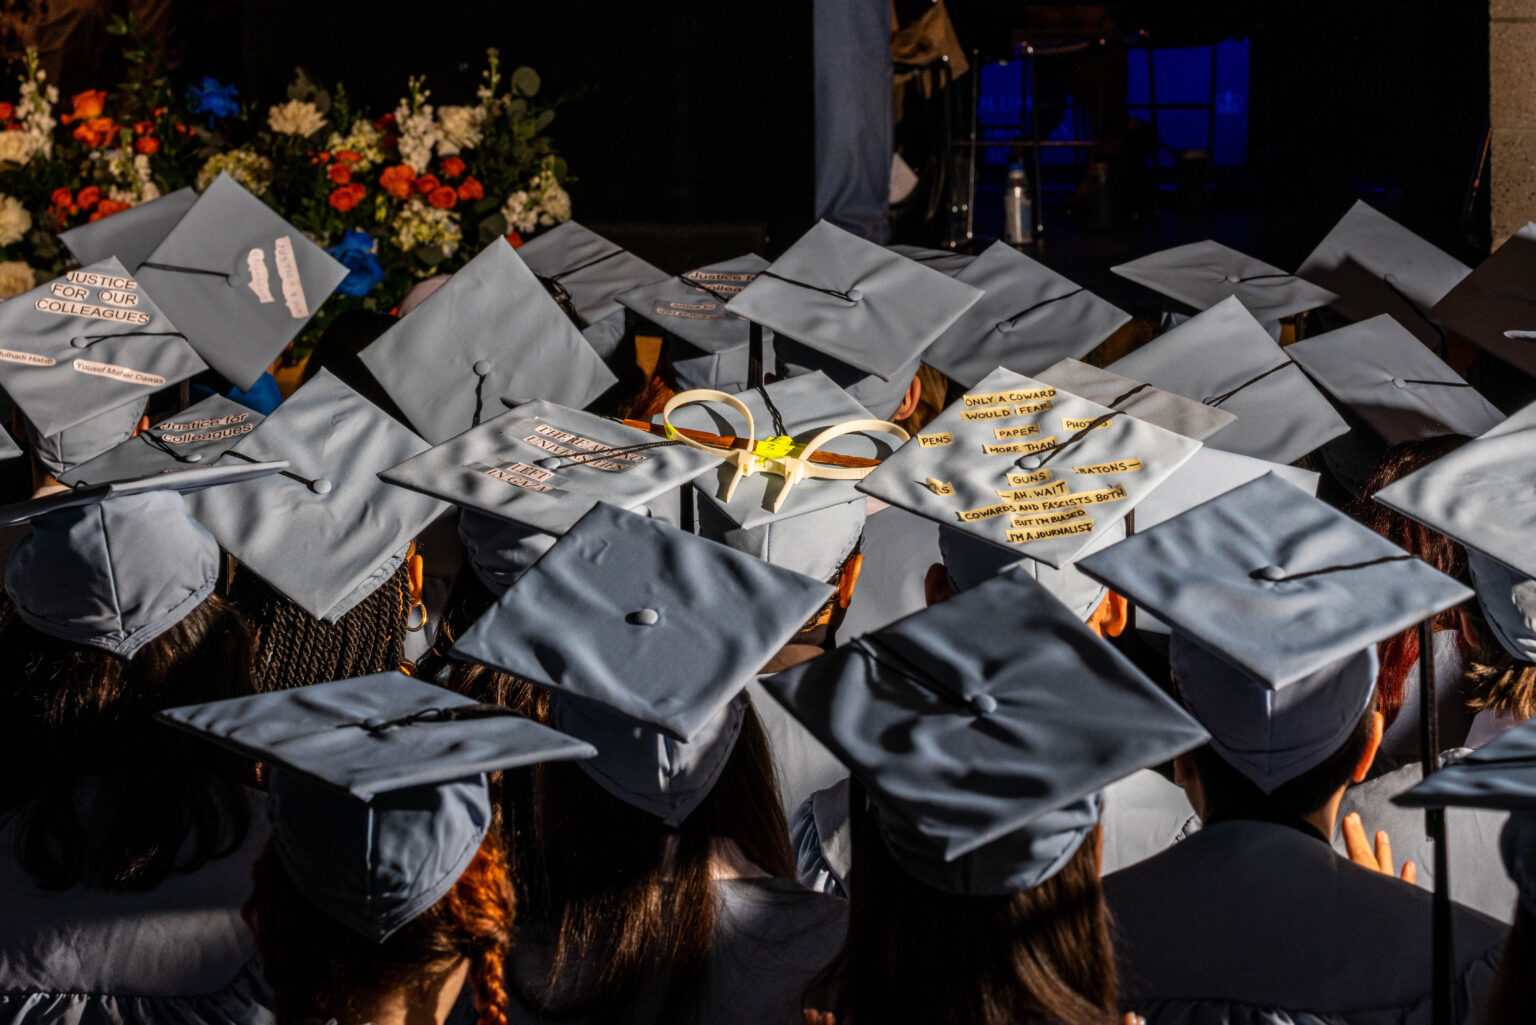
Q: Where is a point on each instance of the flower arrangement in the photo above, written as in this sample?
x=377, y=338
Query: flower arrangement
x=395, y=197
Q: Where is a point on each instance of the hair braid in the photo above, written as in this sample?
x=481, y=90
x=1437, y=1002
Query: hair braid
x=480, y=910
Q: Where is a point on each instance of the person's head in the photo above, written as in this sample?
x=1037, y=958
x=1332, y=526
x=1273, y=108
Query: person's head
x=1503, y=670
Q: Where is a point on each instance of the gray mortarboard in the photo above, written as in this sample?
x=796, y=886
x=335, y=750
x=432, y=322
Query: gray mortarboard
x=1376, y=265
x=197, y=436
x=1026, y=466
x=873, y=392
x=327, y=531
x=970, y=560
x=711, y=349
x=490, y=333
x=86, y=440
x=854, y=301
x=1160, y=408
x=984, y=729
x=8, y=447
x=1028, y=318
x=1500, y=775
x=1224, y=358
x=1494, y=307
x=239, y=280
x=1202, y=274
x=87, y=343
x=132, y=234
x=588, y=268
x=1277, y=602
x=116, y=565
x=378, y=798
x=646, y=635
x=945, y=261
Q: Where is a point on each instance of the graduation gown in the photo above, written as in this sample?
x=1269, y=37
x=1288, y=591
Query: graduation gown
x=1253, y=923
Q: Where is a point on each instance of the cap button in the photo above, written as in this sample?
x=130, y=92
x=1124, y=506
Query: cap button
x=481, y=367
x=320, y=486
x=373, y=722
x=1398, y=382
x=192, y=457
x=983, y=704
x=1004, y=326
x=79, y=343
x=1233, y=279
x=548, y=462
x=1027, y=462
x=854, y=295
x=644, y=617
x=1268, y=573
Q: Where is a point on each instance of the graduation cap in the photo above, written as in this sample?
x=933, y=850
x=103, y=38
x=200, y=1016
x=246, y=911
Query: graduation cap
x=490, y=333
x=1027, y=466
x=87, y=439
x=970, y=560
x=115, y=565
x=1224, y=358
x=195, y=437
x=984, y=729
x=130, y=235
x=1028, y=317
x=1500, y=775
x=1160, y=408
x=646, y=636
x=1376, y=265
x=239, y=280
x=854, y=301
x=378, y=799
x=1494, y=307
x=1276, y=601
x=87, y=343
x=319, y=532
x=586, y=269
x=711, y=343
x=945, y=261
x=1202, y=274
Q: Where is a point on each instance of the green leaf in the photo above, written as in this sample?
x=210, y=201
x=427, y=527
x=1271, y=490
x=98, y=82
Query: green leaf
x=526, y=81
x=543, y=120
x=517, y=109
x=492, y=227
x=431, y=255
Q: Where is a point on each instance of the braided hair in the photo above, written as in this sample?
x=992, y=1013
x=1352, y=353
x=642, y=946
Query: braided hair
x=294, y=649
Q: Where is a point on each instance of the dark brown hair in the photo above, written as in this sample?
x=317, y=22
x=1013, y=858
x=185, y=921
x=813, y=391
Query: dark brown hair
x=319, y=969
x=107, y=797
x=916, y=954
x=294, y=649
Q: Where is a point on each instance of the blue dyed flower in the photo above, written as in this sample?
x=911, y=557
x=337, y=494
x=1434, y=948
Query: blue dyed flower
x=356, y=253
x=213, y=98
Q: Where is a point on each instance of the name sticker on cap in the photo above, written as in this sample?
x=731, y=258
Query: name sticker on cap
x=71, y=308
x=1077, y=512
x=561, y=450
x=29, y=358
x=588, y=445
x=517, y=474
x=197, y=425
x=1029, y=408
x=986, y=512
x=1022, y=431
x=1020, y=480
x=1058, y=487
x=1070, y=424
x=288, y=276
x=117, y=373
x=988, y=413
x=1017, y=395
x=235, y=431
x=1120, y=466
x=940, y=487
x=1020, y=447
x=935, y=440
x=1024, y=537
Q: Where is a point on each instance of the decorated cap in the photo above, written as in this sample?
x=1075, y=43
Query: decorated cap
x=1028, y=318
x=130, y=235
x=87, y=343
x=1202, y=274
x=1160, y=408
x=945, y=261
x=646, y=635
x=197, y=436
x=1500, y=775
x=378, y=798
x=1276, y=601
x=711, y=347
x=984, y=729
x=491, y=333
x=591, y=271
x=1029, y=467
x=855, y=301
x=1493, y=307
x=1376, y=265
x=239, y=280
x=1403, y=390
x=116, y=565
x=319, y=532
x=87, y=439
x=1508, y=601
x=1224, y=358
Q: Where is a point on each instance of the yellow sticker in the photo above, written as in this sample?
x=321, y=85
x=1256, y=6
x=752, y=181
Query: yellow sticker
x=1069, y=424
x=1020, y=480
x=1033, y=407
x=1039, y=491
x=1022, y=431
x=940, y=487
x=935, y=440
x=1017, y=395
x=1017, y=447
x=986, y=512
x=989, y=413
x=1101, y=496
x=1052, y=503
x=774, y=448
x=1119, y=466
x=1077, y=512
x=1024, y=537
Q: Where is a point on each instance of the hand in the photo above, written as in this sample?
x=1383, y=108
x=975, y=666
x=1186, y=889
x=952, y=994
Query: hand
x=1379, y=860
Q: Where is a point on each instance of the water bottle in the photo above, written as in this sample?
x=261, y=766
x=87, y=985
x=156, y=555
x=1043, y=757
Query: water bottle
x=1018, y=212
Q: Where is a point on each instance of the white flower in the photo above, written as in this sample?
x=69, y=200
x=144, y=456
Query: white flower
x=364, y=139
x=295, y=118
x=420, y=224
x=249, y=169
x=15, y=278
x=15, y=147
x=557, y=202
x=419, y=135
x=542, y=204
x=15, y=222
x=460, y=128
x=521, y=214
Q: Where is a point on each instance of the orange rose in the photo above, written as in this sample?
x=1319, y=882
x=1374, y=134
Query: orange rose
x=514, y=239
x=147, y=145
x=157, y=112
x=347, y=196
x=349, y=156
x=109, y=207
x=443, y=197
x=453, y=167
x=98, y=131
x=398, y=180
x=7, y=111
x=143, y=127
x=426, y=183
x=89, y=104
x=471, y=189
x=62, y=198
x=340, y=173
x=88, y=197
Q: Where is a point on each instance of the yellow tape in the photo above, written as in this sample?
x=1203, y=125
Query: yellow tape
x=940, y=487
x=1058, y=487
x=774, y=448
x=1120, y=466
x=1033, y=407
x=1024, y=537
x=1020, y=480
x=1017, y=395
x=1020, y=447
x=986, y=512
x=935, y=440
x=1069, y=424
x=1022, y=431
x=1077, y=512
x=988, y=413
